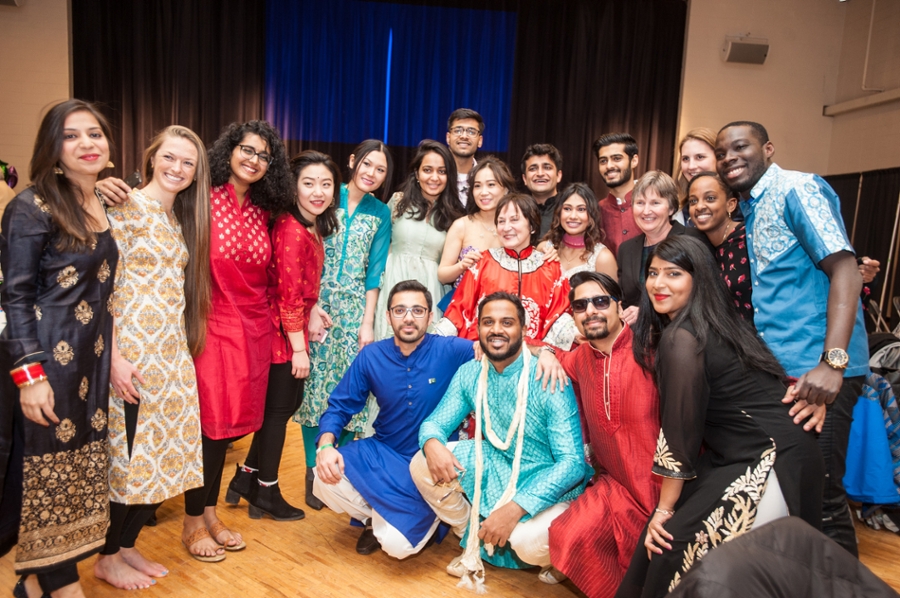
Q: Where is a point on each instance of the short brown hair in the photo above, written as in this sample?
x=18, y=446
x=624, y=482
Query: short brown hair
x=528, y=208
x=662, y=184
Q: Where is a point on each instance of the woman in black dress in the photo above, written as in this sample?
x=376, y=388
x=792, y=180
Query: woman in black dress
x=59, y=260
x=721, y=388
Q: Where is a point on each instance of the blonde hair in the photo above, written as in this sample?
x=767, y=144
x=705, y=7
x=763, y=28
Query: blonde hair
x=193, y=213
x=702, y=134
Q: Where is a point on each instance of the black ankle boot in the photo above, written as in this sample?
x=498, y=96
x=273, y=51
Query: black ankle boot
x=311, y=501
x=241, y=486
x=268, y=500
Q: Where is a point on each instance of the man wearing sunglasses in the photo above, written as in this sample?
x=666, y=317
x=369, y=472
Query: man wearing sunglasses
x=592, y=542
x=464, y=137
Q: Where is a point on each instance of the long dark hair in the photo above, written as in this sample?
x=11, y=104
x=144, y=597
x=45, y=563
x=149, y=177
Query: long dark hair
x=501, y=173
x=446, y=208
x=593, y=234
x=192, y=210
x=326, y=222
x=59, y=194
x=364, y=149
x=709, y=310
x=273, y=191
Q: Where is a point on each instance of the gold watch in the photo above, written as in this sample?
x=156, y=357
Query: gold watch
x=836, y=358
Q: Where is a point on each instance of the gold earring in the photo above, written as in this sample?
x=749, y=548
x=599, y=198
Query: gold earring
x=110, y=164
x=729, y=214
x=57, y=170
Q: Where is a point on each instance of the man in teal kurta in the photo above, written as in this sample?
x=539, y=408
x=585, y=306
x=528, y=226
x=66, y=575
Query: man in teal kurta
x=528, y=476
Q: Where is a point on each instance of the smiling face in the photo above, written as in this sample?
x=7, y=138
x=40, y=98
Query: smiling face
x=710, y=205
x=668, y=286
x=432, y=176
x=174, y=165
x=696, y=156
x=315, y=190
x=513, y=228
x=371, y=173
x=465, y=143
x=85, y=149
x=615, y=166
x=541, y=176
x=741, y=158
x=487, y=190
x=246, y=171
x=652, y=212
x=573, y=215
x=593, y=323
x=500, y=332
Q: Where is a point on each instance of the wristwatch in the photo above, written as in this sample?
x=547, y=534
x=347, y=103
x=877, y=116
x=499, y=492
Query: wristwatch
x=836, y=358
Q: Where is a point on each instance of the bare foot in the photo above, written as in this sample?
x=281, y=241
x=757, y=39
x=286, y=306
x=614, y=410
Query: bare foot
x=222, y=534
x=116, y=572
x=205, y=547
x=140, y=563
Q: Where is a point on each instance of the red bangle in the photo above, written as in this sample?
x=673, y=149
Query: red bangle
x=28, y=374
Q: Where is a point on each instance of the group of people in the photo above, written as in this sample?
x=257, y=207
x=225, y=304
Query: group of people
x=596, y=388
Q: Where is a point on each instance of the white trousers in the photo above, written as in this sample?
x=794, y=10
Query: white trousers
x=344, y=498
x=772, y=505
x=530, y=540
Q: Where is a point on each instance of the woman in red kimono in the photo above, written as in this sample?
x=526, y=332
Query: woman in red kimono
x=517, y=268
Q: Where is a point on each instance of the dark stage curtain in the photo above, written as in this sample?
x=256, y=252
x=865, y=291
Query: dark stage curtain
x=847, y=188
x=153, y=64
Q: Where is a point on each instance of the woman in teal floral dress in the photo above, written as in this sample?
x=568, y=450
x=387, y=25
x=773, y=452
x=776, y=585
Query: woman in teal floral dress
x=355, y=256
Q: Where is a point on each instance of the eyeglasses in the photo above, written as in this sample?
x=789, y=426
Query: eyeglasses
x=599, y=302
x=469, y=131
x=400, y=311
x=249, y=151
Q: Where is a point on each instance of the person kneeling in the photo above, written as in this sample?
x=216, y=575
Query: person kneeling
x=504, y=492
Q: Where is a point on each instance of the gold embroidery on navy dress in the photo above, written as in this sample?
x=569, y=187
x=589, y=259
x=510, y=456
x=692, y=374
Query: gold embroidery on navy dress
x=664, y=457
x=63, y=353
x=38, y=313
x=98, y=421
x=65, y=431
x=67, y=277
x=83, y=389
x=98, y=346
x=103, y=274
x=84, y=313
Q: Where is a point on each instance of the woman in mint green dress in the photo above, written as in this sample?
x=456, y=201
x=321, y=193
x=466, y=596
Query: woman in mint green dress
x=355, y=257
x=421, y=213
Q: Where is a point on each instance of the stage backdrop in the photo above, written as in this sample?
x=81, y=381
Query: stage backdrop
x=330, y=74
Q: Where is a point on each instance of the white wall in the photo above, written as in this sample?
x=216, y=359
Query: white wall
x=869, y=138
x=34, y=44
x=787, y=93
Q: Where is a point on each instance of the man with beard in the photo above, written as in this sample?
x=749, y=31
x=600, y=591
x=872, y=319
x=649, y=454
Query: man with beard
x=593, y=541
x=806, y=288
x=542, y=172
x=464, y=137
x=525, y=463
x=617, y=155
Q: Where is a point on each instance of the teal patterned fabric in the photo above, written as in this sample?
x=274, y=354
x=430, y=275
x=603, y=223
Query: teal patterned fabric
x=553, y=467
x=355, y=256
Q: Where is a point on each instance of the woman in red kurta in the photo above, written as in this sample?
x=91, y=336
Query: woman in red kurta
x=593, y=541
x=517, y=268
x=294, y=276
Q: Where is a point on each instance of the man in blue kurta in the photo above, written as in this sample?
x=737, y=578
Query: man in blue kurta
x=369, y=479
x=525, y=463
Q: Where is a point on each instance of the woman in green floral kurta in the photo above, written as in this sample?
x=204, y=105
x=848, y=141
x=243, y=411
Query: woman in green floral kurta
x=355, y=256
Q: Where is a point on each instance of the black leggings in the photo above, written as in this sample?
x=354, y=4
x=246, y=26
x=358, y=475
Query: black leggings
x=58, y=578
x=283, y=398
x=126, y=521
x=197, y=499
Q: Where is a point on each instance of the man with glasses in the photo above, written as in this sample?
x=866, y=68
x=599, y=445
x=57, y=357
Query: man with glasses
x=593, y=541
x=524, y=464
x=464, y=129
x=369, y=478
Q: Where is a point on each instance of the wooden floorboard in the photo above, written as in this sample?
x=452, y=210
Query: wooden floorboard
x=316, y=557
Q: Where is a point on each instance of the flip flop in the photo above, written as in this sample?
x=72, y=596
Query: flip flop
x=197, y=536
x=217, y=528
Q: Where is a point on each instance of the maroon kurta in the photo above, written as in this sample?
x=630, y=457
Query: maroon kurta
x=593, y=540
x=618, y=221
x=233, y=370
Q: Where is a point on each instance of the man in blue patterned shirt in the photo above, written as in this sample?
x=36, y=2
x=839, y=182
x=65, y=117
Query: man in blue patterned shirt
x=525, y=463
x=806, y=288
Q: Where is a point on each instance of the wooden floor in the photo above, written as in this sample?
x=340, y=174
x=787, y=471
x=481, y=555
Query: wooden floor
x=316, y=557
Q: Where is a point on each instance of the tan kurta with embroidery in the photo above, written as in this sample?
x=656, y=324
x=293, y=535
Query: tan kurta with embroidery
x=166, y=457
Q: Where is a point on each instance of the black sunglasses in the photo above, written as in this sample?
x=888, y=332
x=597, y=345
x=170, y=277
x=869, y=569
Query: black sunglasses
x=599, y=302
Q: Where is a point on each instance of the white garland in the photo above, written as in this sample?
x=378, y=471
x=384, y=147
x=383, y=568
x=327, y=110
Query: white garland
x=471, y=558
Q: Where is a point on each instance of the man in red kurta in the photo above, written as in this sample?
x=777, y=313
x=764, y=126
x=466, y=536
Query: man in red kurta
x=539, y=284
x=617, y=158
x=593, y=541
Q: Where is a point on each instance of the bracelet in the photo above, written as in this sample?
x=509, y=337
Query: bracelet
x=323, y=447
x=664, y=511
x=28, y=375
x=547, y=348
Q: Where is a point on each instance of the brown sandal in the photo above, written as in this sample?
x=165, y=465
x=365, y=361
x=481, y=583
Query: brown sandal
x=217, y=528
x=197, y=536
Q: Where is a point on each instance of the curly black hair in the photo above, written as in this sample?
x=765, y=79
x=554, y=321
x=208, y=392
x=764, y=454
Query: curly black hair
x=275, y=191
